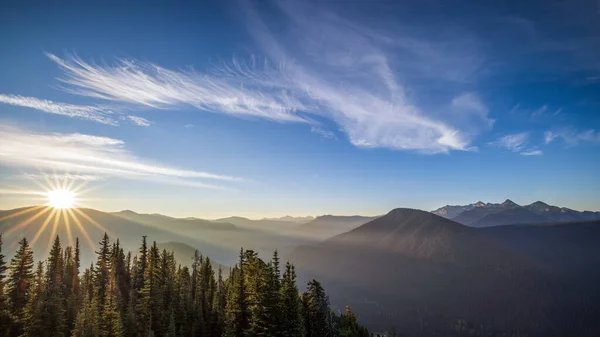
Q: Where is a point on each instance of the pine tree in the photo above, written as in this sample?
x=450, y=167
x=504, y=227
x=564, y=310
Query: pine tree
x=101, y=271
x=36, y=314
x=149, y=307
x=236, y=308
x=19, y=282
x=87, y=323
x=291, y=305
x=218, y=309
x=110, y=324
x=55, y=291
x=316, y=313
x=5, y=320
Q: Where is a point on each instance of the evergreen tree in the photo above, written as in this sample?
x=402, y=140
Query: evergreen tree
x=54, y=298
x=101, y=271
x=149, y=307
x=218, y=309
x=110, y=324
x=87, y=323
x=236, y=308
x=36, y=314
x=5, y=320
x=316, y=313
x=19, y=282
x=291, y=305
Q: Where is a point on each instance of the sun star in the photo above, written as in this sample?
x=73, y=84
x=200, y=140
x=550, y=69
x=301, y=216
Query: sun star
x=61, y=198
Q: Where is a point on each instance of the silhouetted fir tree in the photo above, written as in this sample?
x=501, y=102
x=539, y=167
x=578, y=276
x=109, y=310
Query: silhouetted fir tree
x=101, y=271
x=149, y=311
x=205, y=292
x=184, y=306
x=36, y=312
x=121, y=275
x=291, y=305
x=71, y=281
x=18, y=284
x=54, y=299
x=87, y=323
x=348, y=325
x=5, y=320
x=255, y=300
x=110, y=324
x=316, y=310
x=236, y=308
x=218, y=309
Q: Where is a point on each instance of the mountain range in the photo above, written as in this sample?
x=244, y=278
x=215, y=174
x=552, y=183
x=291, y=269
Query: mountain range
x=411, y=269
x=423, y=273
x=481, y=214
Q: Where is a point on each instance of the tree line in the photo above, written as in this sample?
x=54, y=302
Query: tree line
x=149, y=294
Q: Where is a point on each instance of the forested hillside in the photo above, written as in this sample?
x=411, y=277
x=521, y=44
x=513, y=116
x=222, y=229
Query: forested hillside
x=146, y=293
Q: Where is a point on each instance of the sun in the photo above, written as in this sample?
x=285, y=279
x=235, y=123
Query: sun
x=61, y=198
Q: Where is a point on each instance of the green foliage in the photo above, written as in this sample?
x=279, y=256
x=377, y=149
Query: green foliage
x=150, y=295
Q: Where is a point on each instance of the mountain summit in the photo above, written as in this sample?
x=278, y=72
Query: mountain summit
x=481, y=214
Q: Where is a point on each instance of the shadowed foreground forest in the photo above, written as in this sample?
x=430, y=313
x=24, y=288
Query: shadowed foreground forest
x=149, y=294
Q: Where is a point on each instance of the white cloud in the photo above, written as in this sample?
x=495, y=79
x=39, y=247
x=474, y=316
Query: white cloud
x=187, y=126
x=321, y=65
x=322, y=132
x=549, y=136
x=532, y=152
x=470, y=101
x=93, y=113
x=514, y=142
x=90, y=155
x=572, y=136
x=61, y=176
x=139, y=121
x=227, y=90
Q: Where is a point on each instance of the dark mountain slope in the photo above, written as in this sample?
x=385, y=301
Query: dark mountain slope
x=412, y=266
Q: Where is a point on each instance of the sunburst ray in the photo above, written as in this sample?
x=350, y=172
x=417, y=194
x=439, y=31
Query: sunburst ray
x=43, y=226
x=82, y=229
x=27, y=221
x=88, y=218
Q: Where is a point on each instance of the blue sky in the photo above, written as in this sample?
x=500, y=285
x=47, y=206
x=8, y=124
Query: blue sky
x=271, y=108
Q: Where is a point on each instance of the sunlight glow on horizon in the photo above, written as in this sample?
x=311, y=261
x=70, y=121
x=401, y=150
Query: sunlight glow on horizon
x=61, y=198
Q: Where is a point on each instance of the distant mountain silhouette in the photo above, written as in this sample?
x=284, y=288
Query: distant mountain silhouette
x=329, y=225
x=160, y=220
x=412, y=266
x=220, y=240
x=296, y=219
x=93, y=223
x=184, y=253
x=489, y=214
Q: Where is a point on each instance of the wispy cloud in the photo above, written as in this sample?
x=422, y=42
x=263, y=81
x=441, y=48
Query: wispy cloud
x=61, y=176
x=90, y=155
x=94, y=113
x=334, y=69
x=572, y=136
x=139, y=121
x=549, y=136
x=322, y=132
x=234, y=89
x=514, y=142
x=532, y=152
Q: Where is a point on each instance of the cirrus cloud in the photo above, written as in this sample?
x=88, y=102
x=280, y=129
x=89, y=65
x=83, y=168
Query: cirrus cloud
x=91, y=155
